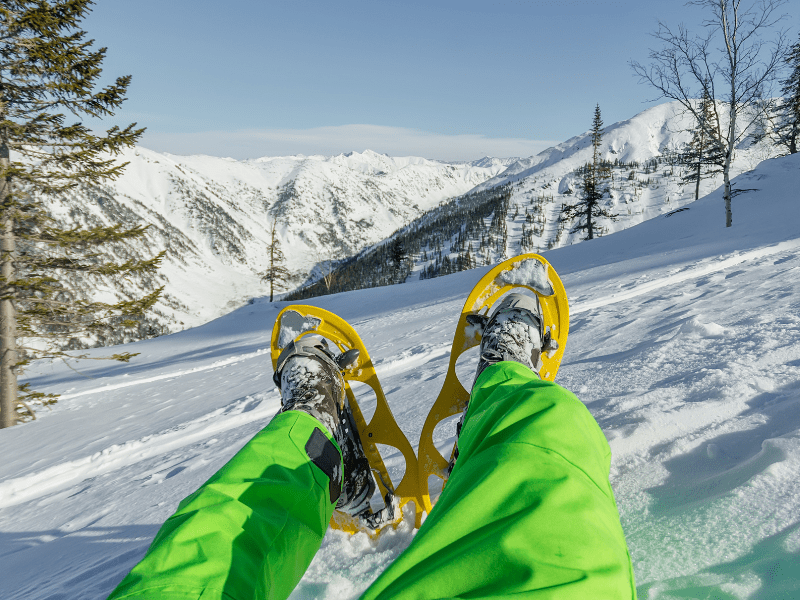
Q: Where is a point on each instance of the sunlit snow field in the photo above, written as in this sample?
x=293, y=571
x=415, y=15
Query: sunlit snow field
x=684, y=344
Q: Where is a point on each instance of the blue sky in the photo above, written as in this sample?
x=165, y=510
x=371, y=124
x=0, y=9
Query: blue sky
x=441, y=79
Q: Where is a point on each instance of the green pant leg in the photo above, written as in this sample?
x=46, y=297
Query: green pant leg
x=251, y=530
x=528, y=510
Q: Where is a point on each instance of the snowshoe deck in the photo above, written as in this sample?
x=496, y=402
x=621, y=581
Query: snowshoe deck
x=298, y=320
x=528, y=271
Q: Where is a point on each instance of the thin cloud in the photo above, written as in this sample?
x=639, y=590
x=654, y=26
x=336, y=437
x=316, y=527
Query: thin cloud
x=394, y=141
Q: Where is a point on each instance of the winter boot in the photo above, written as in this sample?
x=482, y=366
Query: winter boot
x=309, y=377
x=513, y=332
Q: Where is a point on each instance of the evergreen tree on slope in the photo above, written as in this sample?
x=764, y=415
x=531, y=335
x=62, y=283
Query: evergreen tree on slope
x=398, y=256
x=48, y=77
x=787, y=127
x=588, y=210
x=276, y=274
x=704, y=154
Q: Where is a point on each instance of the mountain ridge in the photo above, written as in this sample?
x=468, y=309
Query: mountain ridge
x=212, y=214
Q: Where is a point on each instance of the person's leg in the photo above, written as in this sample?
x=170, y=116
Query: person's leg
x=528, y=510
x=251, y=530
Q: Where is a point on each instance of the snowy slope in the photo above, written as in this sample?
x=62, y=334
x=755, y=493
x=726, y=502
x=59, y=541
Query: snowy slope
x=212, y=215
x=646, y=182
x=684, y=344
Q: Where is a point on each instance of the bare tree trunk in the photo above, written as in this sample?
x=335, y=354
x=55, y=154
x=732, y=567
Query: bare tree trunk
x=272, y=263
x=8, y=333
x=697, y=185
x=726, y=172
x=726, y=194
x=726, y=169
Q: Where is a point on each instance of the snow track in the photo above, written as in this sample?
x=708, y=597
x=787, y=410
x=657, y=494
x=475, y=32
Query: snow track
x=711, y=266
x=117, y=456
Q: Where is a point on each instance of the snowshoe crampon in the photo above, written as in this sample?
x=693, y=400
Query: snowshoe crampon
x=296, y=321
x=527, y=271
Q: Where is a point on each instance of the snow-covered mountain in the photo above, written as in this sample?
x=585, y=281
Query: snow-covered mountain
x=212, y=215
x=684, y=344
x=519, y=210
x=645, y=183
x=656, y=131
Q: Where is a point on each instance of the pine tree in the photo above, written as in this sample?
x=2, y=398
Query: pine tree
x=787, y=125
x=48, y=80
x=469, y=261
x=588, y=209
x=276, y=274
x=398, y=255
x=704, y=154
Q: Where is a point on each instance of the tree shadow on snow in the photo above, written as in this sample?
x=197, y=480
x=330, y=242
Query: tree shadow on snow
x=151, y=366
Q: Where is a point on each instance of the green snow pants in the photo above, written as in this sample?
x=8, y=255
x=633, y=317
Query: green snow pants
x=528, y=511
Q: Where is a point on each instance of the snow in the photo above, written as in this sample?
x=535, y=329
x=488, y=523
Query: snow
x=293, y=324
x=213, y=216
x=529, y=272
x=684, y=344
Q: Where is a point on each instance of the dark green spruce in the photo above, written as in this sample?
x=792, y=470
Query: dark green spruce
x=49, y=75
x=588, y=209
x=704, y=155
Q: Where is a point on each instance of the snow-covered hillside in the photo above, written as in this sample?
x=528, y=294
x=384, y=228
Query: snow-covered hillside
x=684, y=344
x=520, y=210
x=212, y=215
x=645, y=181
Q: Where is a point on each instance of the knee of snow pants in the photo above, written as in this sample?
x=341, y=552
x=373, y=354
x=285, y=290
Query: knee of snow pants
x=251, y=530
x=528, y=510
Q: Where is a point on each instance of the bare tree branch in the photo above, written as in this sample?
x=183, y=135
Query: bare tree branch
x=737, y=76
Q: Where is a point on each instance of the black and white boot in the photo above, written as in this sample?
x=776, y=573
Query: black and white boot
x=513, y=332
x=309, y=377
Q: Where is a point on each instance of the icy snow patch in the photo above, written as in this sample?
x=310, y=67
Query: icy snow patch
x=529, y=272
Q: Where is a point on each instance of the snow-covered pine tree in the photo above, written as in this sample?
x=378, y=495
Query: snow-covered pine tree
x=48, y=81
x=587, y=210
x=704, y=154
x=276, y=273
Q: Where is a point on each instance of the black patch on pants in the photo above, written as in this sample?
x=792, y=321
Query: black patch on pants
x=324, y=454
